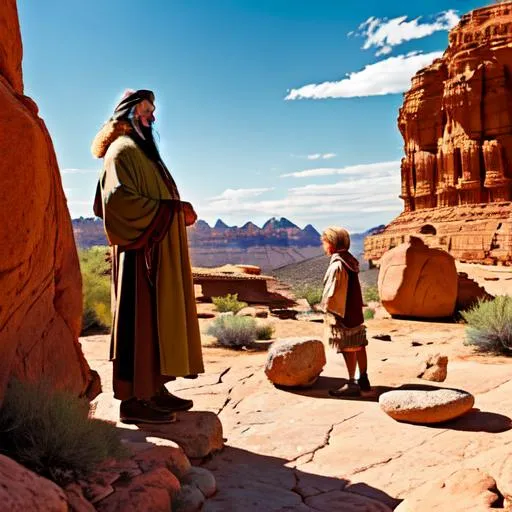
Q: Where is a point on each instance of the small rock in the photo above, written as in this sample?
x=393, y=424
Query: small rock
x=76, y=499
x=202, y=479
x=248, y=311
x=261, y=313
x=147, y=492
x=382, y=337
x=199, y=433
x=284, y=314
x=295, y=361
x=189, y=499
x=416, y=344
x=434, y=368
x=170, y=457
x=425, y=407
x=463, y=491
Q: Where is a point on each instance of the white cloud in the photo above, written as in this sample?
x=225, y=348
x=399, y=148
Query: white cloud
x=373, y=169
x=240, y=193
x=389, y=76
x=320, y=156
x=384, y=33
x=360, y=200
x=79, y=171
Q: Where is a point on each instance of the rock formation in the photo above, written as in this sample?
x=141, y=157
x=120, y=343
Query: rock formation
x=41, y=300
x=417, y=281
x=456, y=122
x=295, y=362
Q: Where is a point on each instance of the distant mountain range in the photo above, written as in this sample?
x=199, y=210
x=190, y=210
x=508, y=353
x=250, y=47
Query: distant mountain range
x=277, y=243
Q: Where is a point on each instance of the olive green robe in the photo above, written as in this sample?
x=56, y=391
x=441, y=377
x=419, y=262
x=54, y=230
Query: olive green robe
x=155, y=332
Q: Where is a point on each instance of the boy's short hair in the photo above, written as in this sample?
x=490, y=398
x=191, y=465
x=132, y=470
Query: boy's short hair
x=339, y=238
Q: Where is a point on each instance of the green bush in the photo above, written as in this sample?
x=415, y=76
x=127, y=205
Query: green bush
x=50, y=432
x=371, y=294
x=96, y=288
x=312, y=293
x=264, y=332
x=229, y=303
x=369, y=314
x=234, y=331
x=489, y=325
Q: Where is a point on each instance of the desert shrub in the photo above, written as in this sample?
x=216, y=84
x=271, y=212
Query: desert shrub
x=96, y=288
x=371, y=294
x=489, y=325
x=312, y=293
x=369, y=314
x=229, y=303
x=50, y=432
x=233, y=331
x=264, y=332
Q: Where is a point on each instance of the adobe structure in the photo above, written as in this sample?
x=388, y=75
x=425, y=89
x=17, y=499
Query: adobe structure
x=456, y=122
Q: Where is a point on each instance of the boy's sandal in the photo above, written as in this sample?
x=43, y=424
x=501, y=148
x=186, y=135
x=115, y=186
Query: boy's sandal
x=349, y=389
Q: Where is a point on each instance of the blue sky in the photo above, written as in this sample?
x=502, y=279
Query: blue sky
x=264, y=107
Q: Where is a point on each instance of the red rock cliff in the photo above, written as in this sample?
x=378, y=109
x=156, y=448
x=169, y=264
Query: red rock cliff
x=40, y=282
x=456, y=122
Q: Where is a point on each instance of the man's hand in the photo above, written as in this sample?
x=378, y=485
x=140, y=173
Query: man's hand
x=190, y=214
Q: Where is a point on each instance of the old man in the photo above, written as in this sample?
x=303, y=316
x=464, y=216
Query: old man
x=155, y=331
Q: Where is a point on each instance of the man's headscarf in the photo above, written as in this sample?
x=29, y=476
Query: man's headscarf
x=129, y=101
x=123, y=112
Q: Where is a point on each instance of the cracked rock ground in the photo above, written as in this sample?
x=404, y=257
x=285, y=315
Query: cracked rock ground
x=305, y=451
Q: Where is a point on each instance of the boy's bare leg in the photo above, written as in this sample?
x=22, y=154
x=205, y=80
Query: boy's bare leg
x=362, y=360
x=350, y=388
x=351, y=359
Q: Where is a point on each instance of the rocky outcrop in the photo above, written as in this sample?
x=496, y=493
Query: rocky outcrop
x=466, y=490
x=295, y=362
x=20, y=489
x=426, y=406
x=456, y=122
x=41, y=300
x=434, y=368
x=416, y=281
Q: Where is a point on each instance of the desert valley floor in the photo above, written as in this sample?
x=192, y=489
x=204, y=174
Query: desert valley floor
x=302, y=450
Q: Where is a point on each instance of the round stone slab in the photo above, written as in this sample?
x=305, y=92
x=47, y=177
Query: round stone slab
x=426, y=406
x=295, y=362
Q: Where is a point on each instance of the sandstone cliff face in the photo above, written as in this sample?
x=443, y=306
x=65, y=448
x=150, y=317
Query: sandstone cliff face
x=41, y=299
x=456, y=122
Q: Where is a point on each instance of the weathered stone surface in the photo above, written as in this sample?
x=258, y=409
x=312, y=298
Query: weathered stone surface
x=17, y=486
x=41, y=300
x=202, y=479
x=456, y=122
x=346, y=501
x=198, y=433
x=467, y=490
x=434, y=368
x=151, y=492
x=295, y=361
x=424, y=407
x=76, y=499
x=170, y=457
x=189, y=499
x=416, y=281
x=248, y=311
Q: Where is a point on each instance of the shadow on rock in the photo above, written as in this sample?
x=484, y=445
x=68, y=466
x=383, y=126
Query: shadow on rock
x=252, y=482
x=478, y=421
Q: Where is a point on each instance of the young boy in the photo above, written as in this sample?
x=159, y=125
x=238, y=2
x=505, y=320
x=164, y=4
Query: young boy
x=343, y=305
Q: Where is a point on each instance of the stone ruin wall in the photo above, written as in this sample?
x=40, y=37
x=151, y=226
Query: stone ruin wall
x=456, y=121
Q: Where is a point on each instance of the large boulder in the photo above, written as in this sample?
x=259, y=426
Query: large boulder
x=20, y=489
x=426, y=406
x=416, y=281
x=41, y=299
x=467, y=490
x=295, y=362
